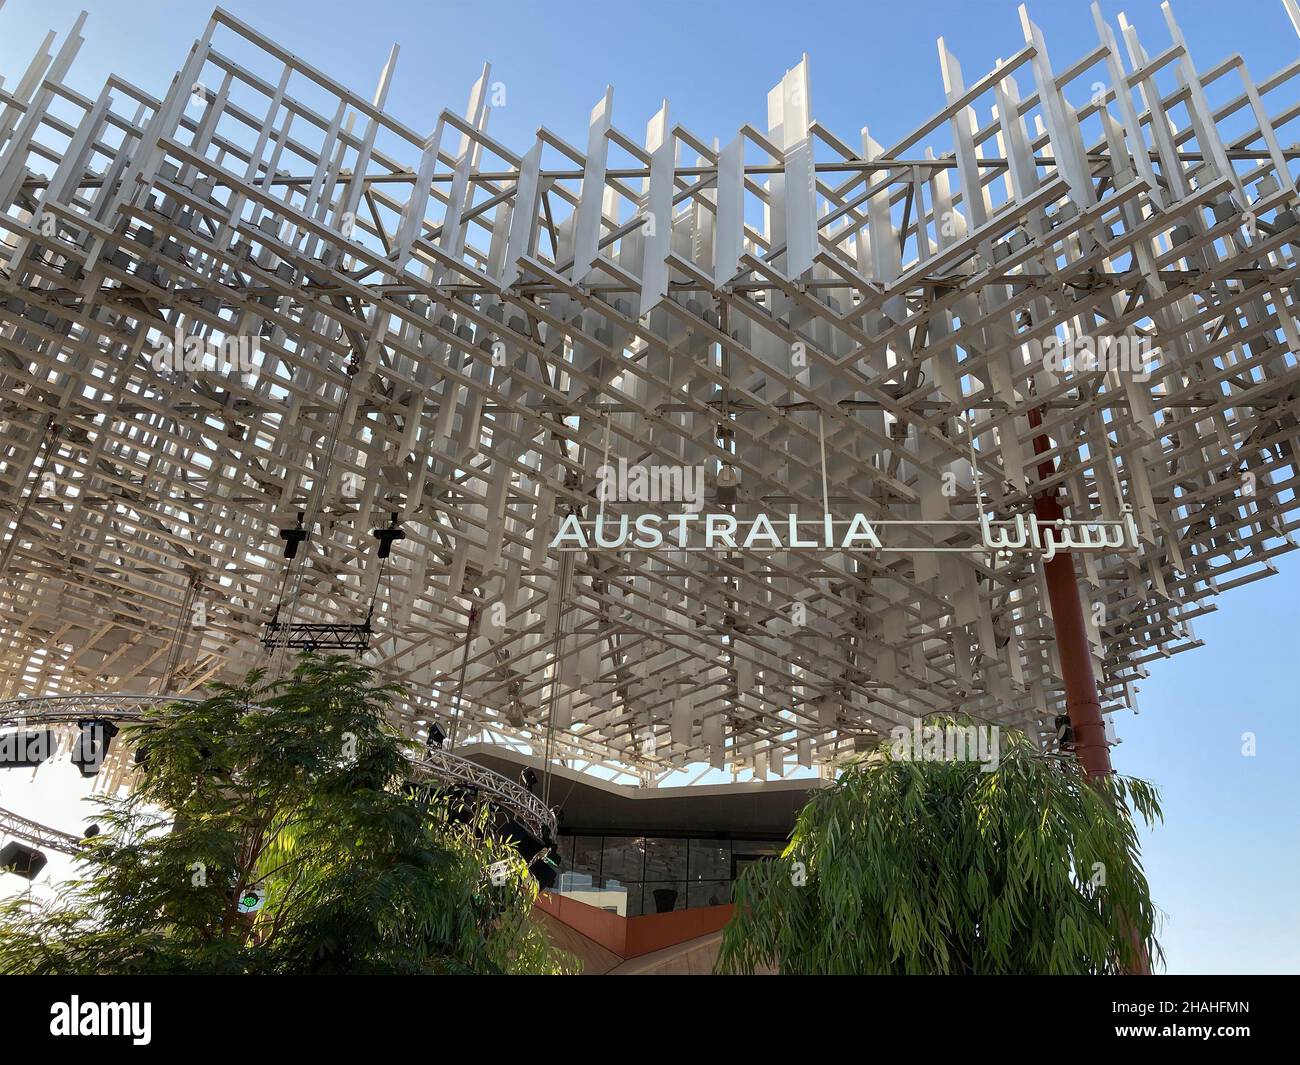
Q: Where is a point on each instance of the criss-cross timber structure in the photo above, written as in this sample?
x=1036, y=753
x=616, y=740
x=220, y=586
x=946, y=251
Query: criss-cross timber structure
x=263, y=295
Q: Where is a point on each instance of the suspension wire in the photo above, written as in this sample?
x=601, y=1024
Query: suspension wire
x=181, y=632
x=470, y=624
x=297, y=565
x=379, y=582
x=565, y=578
x=974, y=467
x=604, y=462
x=48, y=438
x=821, y=440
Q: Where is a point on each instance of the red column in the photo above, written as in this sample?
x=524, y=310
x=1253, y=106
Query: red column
x=1082, y=701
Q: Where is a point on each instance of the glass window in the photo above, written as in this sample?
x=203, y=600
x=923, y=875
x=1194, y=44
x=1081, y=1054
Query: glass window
x=638, y=875
x=748, y=851
x=664, y=896
x=710, y=859
x=708, y=893
x=665, y=859
x=623, y=899
x=585, y=858
x=624, y=859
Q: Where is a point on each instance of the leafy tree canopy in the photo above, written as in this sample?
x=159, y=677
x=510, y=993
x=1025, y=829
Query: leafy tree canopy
x=909, y=866
x=304, y=798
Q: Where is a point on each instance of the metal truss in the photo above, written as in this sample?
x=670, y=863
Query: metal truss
x=441, y=768
x=441, y=326
x=449, y=769
x=38, y=835
x=316, y=637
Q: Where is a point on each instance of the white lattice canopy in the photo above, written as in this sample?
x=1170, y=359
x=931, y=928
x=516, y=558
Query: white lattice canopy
x=461, y=333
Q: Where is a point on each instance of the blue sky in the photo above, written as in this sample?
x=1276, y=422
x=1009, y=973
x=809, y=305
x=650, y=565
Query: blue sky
x=1225, y=866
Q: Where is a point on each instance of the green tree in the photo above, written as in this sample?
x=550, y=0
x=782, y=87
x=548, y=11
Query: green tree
x=932, y=867
x=304, y=799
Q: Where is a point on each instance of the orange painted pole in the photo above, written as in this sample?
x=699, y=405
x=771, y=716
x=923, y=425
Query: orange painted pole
x=1082, y=701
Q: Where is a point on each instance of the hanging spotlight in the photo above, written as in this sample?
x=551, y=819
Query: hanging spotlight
x=387, y=536
x=541, y=855
x=293, y=537
x=436, y=736
x=728, y=481
x=1064, y=732
x=528, y=779
x=21, y=860
x=92, y=744
x=546, y=870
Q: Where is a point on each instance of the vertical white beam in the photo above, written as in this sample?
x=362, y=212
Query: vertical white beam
x=657, y=231
x=730, y=230
x=591, y=204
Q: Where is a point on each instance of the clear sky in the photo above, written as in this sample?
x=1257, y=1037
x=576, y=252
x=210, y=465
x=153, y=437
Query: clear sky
x=1226, y=864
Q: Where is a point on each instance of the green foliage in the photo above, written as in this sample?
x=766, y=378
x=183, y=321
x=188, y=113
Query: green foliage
x=306, y=800
x=934, y=867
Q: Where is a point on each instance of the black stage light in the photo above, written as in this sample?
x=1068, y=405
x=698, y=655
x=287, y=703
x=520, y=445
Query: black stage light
x=1064, y=732
x=91, y=746
x=528, y=779
x=436, y=735
x=728, y=481
x=21, y=860
x=293, y=537
x=544, y=870
x=386, y=537
x=26, y=749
